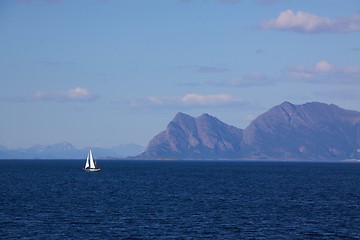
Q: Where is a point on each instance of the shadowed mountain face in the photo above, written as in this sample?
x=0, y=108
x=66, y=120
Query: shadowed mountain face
x=312, y=131
x=195, y=138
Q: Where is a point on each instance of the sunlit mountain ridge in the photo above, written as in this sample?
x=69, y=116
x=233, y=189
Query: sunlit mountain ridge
x=311, y=131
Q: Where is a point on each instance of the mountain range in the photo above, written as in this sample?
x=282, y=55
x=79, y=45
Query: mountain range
x=66, y=150
x=310, y=131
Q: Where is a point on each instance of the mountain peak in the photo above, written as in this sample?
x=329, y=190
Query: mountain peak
x=286, y=103
x=310, y=131
x=195, y=138
x=179, y=117
x=205, y=115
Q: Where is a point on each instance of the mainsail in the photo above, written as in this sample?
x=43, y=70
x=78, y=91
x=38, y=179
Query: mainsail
x=91, y=160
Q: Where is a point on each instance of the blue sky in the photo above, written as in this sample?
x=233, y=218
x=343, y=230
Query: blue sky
x=109, y=72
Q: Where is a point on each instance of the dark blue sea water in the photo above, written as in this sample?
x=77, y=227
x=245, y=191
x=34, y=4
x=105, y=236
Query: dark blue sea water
x=41, y=199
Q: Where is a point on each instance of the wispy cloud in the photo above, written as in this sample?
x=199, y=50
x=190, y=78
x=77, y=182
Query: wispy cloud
x=40, y=1
x=310, y=23
x=56, y=63
x=354, y=49
x=343, y=94
x=252, y=79
x=236, y=1
x=259, y=51
x=324, y=72
x=229, y=1
x=205, y=69
x=220, y=1
x=190, y=100
x=270, y=1
x=77, y=94
x=207, y=100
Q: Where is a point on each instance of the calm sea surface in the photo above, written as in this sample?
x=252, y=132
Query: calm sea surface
x=43, y=199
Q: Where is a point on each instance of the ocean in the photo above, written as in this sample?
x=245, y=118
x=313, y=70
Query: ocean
x=55, y=199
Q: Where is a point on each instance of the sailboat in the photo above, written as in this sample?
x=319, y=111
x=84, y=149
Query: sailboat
x=90, y=165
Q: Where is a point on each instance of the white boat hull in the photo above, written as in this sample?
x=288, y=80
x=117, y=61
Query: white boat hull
x=91, y=169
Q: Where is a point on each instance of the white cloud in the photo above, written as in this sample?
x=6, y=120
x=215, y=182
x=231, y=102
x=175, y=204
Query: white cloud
x=206, y=100
x=325, y=72
x=78, y=94
x=311, y=23
x=300, y=73
x=190, y=100
x=321, y=72
x=323, y=66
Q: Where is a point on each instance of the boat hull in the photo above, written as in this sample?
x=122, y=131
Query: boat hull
x=91, y=169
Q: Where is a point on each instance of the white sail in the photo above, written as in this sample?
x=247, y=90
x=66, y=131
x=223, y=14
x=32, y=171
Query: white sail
x=91, y=160
x=90, y=165
x=87, y=162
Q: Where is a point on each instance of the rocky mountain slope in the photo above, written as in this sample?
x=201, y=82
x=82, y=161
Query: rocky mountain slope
x=202, y=137
x=311, y=131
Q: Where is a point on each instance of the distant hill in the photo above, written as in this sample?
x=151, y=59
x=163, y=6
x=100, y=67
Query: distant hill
x=311, y=131
x=66, y=150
